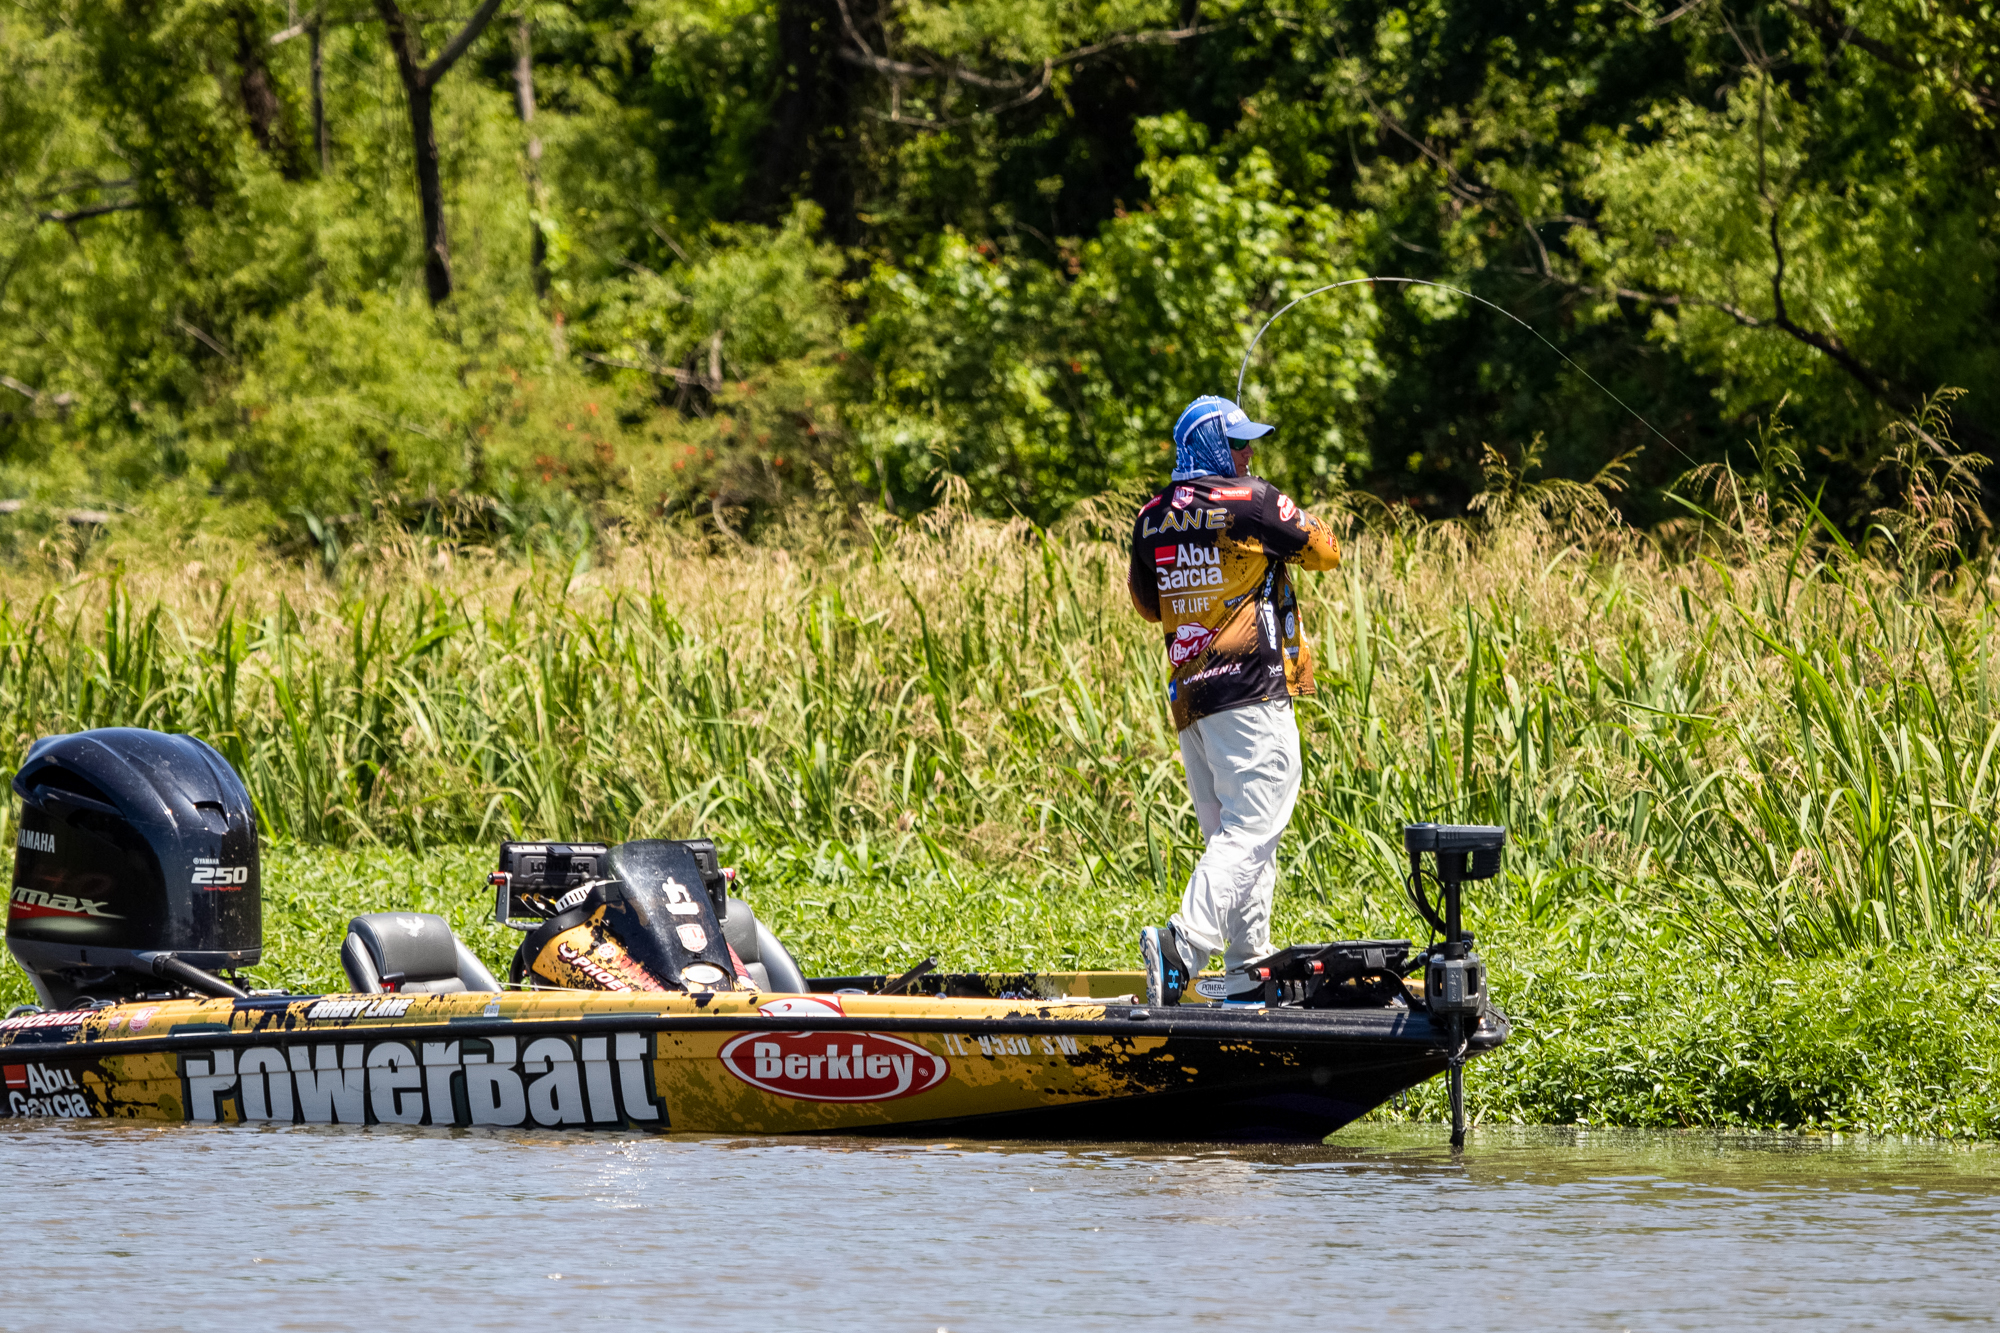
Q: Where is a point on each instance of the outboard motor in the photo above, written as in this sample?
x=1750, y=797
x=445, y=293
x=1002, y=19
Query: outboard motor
x=641, y=916
x=136, y=872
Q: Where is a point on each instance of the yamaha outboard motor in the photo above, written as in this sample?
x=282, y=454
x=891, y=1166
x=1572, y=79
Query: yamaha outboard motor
x=136, y=870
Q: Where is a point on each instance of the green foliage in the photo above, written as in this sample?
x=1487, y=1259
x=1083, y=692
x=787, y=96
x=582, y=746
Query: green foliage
x=1043, y=392
x=1751, y=797
x=1880, y=259
x=807, y=270
x=1684, y=1038
x=340, y=392
x=1003, y=242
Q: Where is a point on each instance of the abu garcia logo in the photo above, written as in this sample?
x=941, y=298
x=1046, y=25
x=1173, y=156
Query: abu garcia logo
x=1187, y=566
x=37, y=1090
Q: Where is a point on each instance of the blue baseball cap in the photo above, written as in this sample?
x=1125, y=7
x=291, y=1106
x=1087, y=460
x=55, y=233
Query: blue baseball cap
x=1202, y=436
x=1233, y=420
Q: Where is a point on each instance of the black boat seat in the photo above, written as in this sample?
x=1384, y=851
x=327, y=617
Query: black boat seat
x=417, y=945
x=771, y=967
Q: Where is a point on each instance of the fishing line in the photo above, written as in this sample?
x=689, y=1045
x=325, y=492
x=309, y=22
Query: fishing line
x=1425, y=282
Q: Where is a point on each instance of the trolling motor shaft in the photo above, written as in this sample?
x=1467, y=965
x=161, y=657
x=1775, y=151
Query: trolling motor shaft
x=1454, y=978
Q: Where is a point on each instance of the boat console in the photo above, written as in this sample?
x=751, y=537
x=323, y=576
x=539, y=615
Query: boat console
x=650, y=915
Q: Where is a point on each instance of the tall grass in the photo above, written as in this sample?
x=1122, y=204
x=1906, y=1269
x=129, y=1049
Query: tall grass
x=1755, y=736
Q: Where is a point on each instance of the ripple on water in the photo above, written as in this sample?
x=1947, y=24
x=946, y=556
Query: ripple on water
x=329, y=1228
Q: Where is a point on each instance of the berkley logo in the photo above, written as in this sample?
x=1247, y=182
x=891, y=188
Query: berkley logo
x=1190, y=641
x=804, y=1006
x=834, y=1066
x=37, y=842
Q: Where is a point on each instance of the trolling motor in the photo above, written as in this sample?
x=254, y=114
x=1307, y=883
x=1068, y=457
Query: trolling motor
x=1454, y=976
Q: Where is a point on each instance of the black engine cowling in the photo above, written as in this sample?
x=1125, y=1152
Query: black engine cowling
x=136, y=870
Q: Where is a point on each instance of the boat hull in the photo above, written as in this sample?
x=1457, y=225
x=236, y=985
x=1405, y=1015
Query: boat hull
x=729, y=1064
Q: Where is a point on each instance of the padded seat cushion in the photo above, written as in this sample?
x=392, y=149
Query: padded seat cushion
x=770, y=965
x=419, y=945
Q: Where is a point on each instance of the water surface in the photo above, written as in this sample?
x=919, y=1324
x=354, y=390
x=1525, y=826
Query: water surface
x=338, y=1228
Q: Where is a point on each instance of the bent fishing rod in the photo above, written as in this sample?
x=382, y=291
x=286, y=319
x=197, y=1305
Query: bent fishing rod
x=1243, y=369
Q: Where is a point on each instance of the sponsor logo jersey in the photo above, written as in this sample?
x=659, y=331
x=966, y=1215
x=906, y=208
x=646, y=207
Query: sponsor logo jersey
x=1211, y=558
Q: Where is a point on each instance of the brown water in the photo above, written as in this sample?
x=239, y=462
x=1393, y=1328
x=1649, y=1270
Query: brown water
x=303, y=1228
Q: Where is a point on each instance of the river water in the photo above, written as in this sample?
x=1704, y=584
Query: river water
x=304, y=1228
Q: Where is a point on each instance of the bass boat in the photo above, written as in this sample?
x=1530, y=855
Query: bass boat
x=646, y=995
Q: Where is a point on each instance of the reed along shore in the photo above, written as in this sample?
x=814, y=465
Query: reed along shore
x=1749, y=772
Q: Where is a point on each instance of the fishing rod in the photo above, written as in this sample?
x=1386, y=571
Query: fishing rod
x=1243, y=369
x=1455, y=977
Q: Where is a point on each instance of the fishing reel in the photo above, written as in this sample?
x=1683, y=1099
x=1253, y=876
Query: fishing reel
x=1454, y=976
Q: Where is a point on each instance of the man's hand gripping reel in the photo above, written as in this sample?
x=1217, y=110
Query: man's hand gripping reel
x=1454, y=977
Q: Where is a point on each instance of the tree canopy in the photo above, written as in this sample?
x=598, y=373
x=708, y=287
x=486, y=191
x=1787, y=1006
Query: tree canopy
x=706, y=255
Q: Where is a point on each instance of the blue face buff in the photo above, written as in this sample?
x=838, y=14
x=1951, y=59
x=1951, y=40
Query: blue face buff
x=1203, y=434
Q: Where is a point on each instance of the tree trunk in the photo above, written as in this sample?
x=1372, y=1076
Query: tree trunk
x=261, y=105
x=808, y=137
x=524, y=102
x=321, y=143
x=419, y=79
x=430, y=195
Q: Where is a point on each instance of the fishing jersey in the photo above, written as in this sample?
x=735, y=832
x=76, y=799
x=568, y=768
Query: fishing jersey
x=1210, y=562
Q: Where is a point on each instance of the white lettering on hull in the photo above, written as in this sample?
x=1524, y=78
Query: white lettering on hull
x=552, y=1082
x=38, y=1090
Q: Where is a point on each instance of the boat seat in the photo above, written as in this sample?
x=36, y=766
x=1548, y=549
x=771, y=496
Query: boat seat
x=771, y=967
x=413, y=953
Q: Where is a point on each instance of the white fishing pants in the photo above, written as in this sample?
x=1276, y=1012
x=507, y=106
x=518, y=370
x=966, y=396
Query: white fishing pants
x=1243, y=772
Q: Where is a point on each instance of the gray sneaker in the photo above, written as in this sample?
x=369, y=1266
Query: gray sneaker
x=1166, y=968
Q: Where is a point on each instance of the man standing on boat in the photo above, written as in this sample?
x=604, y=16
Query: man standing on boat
x=1211, y=558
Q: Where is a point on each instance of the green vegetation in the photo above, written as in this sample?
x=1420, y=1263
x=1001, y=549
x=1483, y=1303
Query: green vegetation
x=747, y=251
x=1750, y=772
x=671, y=415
